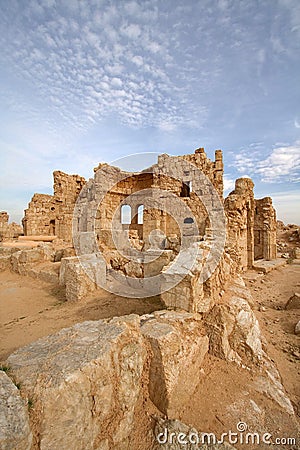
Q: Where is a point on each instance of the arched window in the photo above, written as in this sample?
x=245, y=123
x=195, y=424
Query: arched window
x=188, y=220
x=125, y=214
x=140, y=220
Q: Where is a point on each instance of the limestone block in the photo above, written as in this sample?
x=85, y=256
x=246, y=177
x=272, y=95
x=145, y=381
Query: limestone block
x=155, y=260
x=179, y=344
x=297, y=328
x=63, y=253
x=84, y=383
x=8, y=248
x=23, y=260
x=82, y=275
x=15, y=431
x=48, y=272
x=234, y=331
x=269, y=383
x=133, y=269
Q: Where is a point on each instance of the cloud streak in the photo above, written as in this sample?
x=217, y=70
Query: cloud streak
x=282, y=164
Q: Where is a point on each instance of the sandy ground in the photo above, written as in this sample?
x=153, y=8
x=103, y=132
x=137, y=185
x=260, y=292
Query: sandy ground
x=30, y=309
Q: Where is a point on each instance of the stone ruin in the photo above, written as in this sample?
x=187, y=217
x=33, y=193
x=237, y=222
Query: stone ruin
x=52, y=214
x=88, y=382
x=8, y=230
x=152, y=237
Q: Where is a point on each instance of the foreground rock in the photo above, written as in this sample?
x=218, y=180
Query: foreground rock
x=179, y=344
x=233, y=328
x=15, y=432
x=83, y=382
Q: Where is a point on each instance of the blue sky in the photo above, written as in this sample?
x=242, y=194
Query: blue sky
x=84, y=82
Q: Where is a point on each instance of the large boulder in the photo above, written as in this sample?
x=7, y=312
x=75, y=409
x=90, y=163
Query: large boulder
x=15, y=432
x=178, y=344
x=233, y=329
x=83, y=383
x=82, y=275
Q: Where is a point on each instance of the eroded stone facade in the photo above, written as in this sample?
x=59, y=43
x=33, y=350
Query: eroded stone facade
x=52, y=214
x=8, y=230
x=174, y=208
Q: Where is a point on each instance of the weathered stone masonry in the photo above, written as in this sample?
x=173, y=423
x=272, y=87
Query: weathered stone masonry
x=251, y=223
x=52, y=214
x=197, y=184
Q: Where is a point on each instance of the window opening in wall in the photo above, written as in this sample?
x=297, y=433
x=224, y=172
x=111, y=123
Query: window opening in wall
x=125, y=214
x=186, y=189
x=52, y=227
x=188, y=220
x=140, y=215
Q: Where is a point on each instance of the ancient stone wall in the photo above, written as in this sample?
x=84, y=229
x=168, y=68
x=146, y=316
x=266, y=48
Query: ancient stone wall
x=40, y=216
x=177, y=175
x=52, y=214
x=264, y=229
x=66, y=190
x=101, y=203
x=239, y=208
x=251, y=225
x=8, y=230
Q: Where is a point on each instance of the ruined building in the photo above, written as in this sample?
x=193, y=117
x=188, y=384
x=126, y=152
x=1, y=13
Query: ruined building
x=52, y=214
x=115, y=196
x=166, y=232
x=8, y=230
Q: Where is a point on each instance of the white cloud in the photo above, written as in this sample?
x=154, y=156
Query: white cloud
x=138, y=60
x=297, y=123
x=116, y=82
x=167, y=126
x=229, y=184
x=133, y=31
x=282, y=164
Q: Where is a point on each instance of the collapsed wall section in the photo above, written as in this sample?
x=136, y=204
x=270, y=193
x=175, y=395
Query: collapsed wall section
x=251, y=225
x=8, y=230
x=52, y=214
x=40, y=216
x=239, y=209
x=265, y=230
